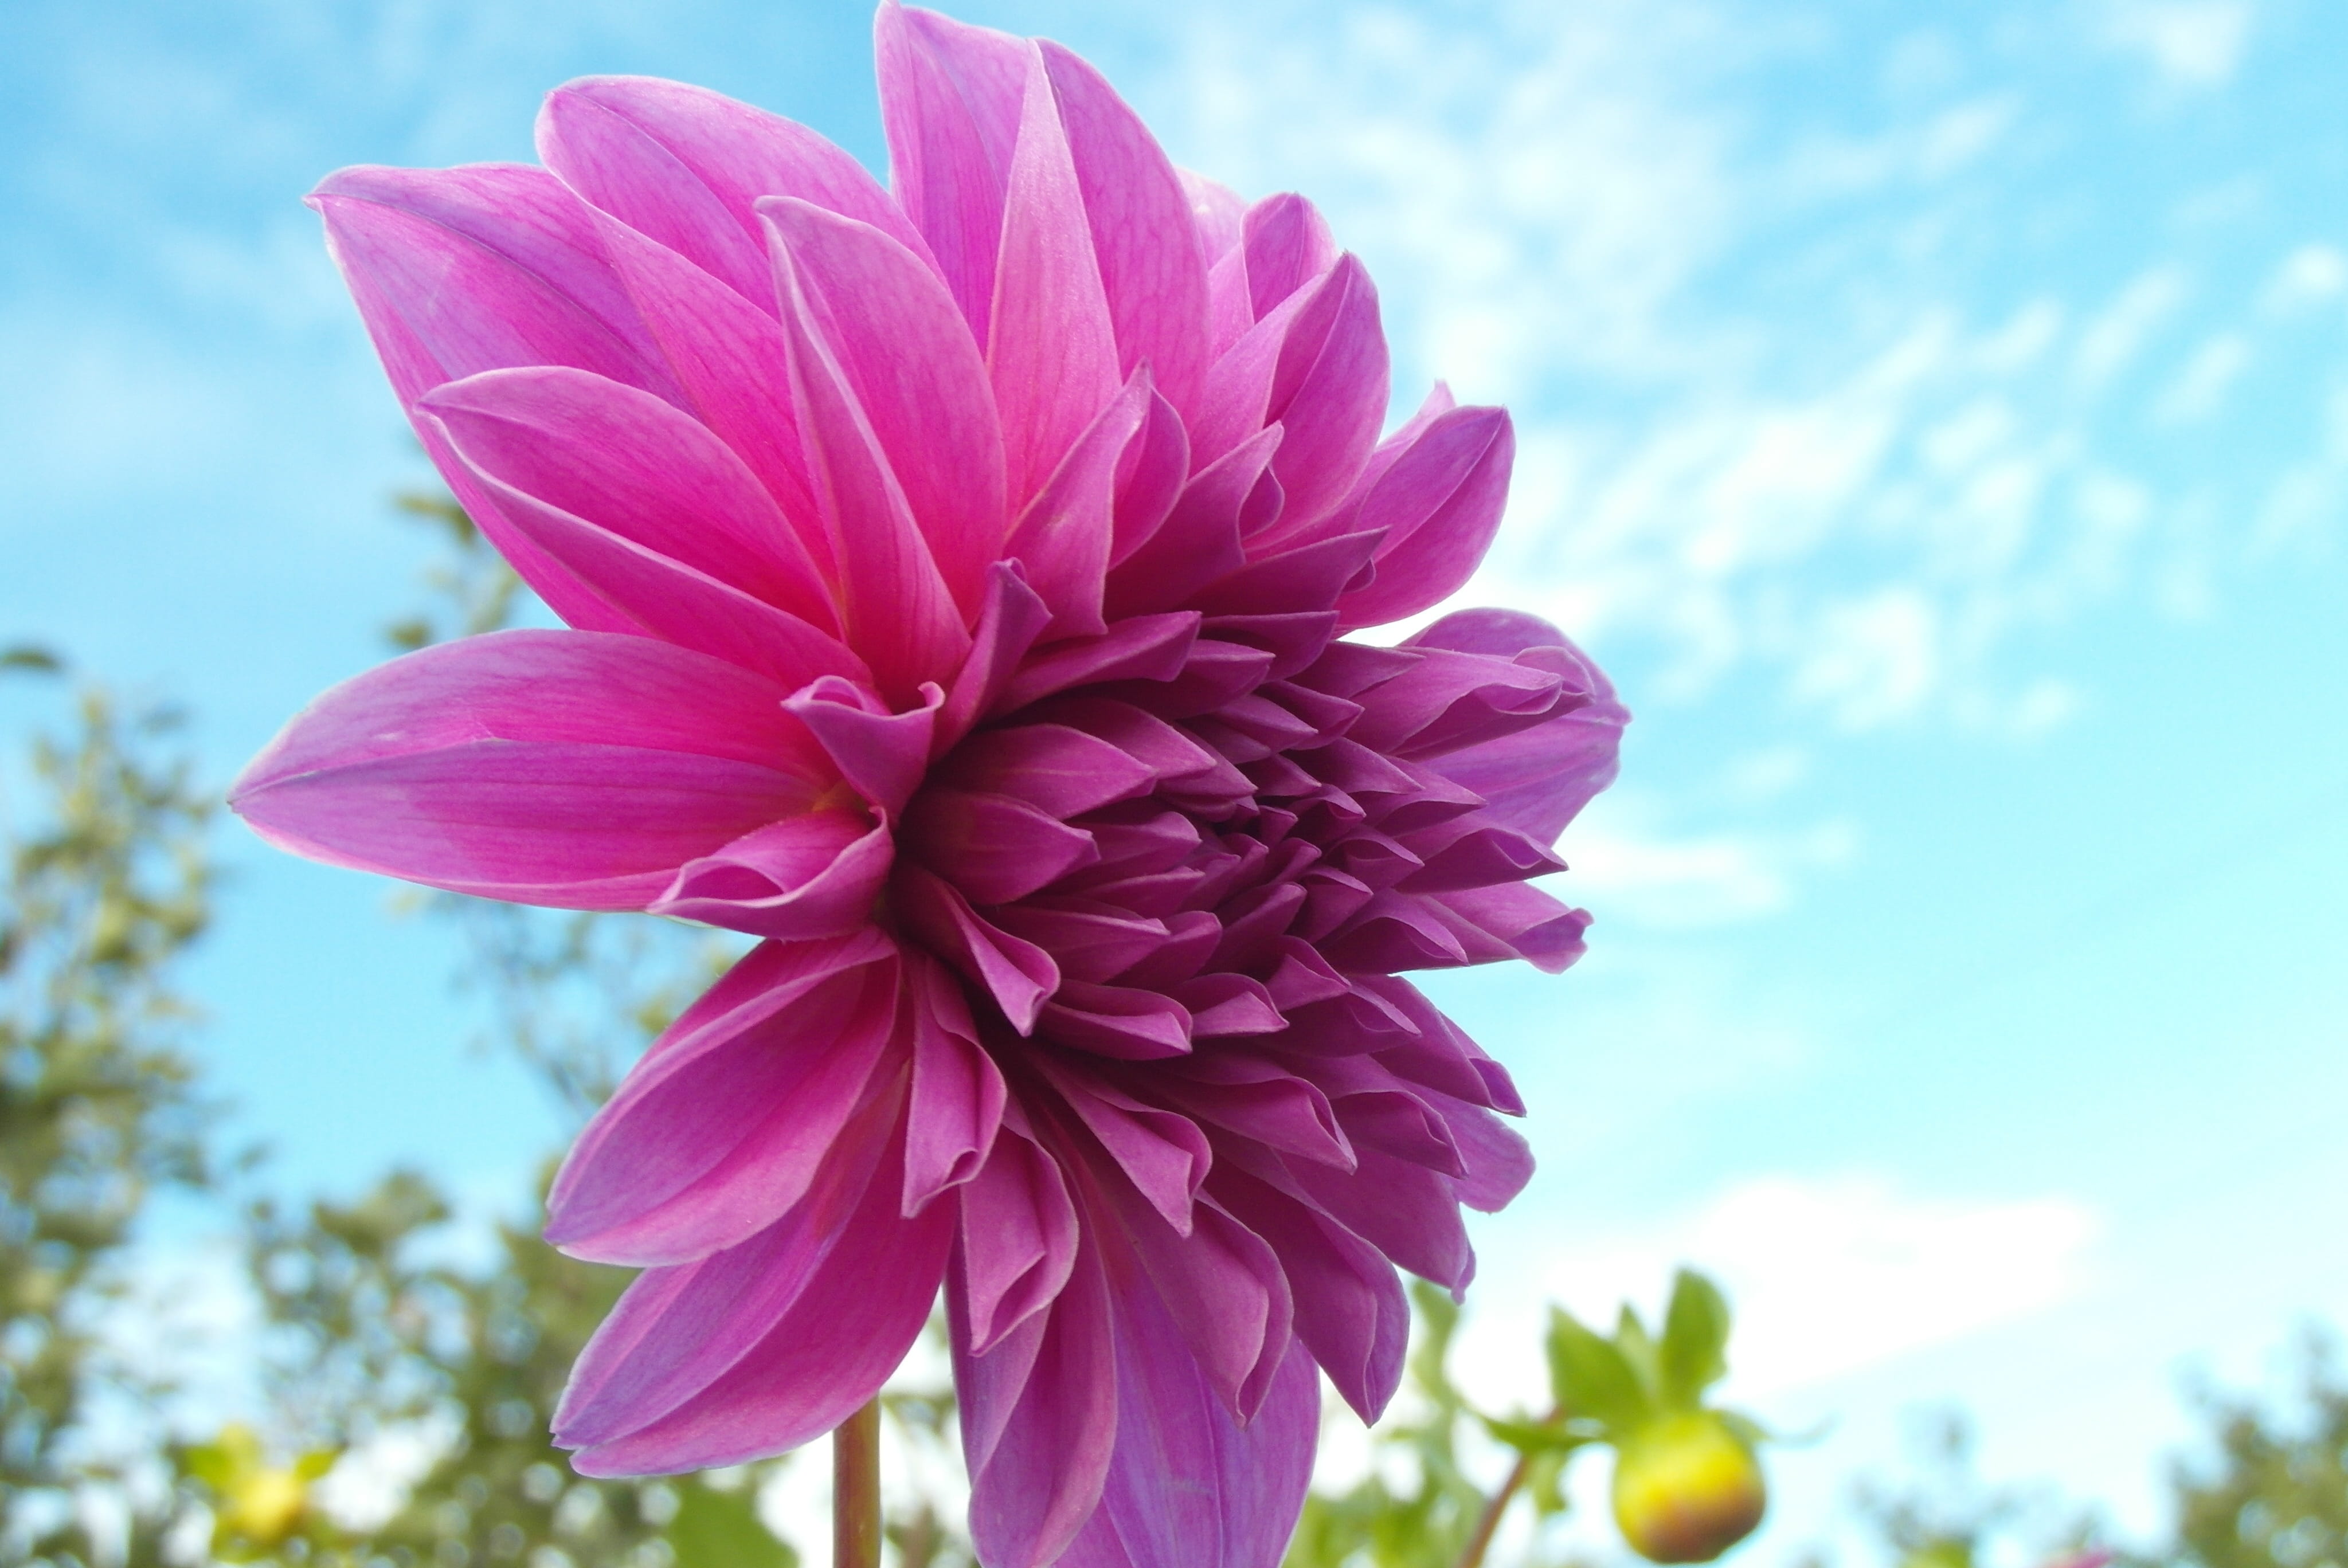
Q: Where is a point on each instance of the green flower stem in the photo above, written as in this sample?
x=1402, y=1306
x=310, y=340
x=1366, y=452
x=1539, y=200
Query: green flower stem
x=856, y=1490
x=1472, y=1554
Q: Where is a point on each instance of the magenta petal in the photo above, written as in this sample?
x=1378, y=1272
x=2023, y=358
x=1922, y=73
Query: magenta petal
x=1163, y=1154
x=804, y=878
x=1010, y=618
x=1199, y=542
x=880, y=753
x=1039, y=1422
x=1019, y=1234
x=677, y=1329
x=672, y=1169
x=1220, y=1284
x=566, y=768
x=732, y=363
x=631, y=464
x=663, y=598
x=1439, y=505
x=1150, y=478
x=917, y=375
x=1329, y=393
x=1017, y=974
x=958, y=1092
x=1287, y=245
x=828, y=1353
x=1058, y=769
x=1188, y=1487
x=735, y=153
x=1142, y=232
x=949, y=102
x=611, y=162
x=991, y=846
x=897, y=609
x=1051, y=347
x=1065, y=535
x=1350, y=1311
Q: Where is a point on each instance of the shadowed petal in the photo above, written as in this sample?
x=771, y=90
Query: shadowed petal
x=958, y=1092
x=1039, y=1421
x=803, y=878
x=1188, y=1487
x=1018, y=1238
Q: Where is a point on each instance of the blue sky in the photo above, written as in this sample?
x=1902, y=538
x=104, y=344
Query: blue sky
x=1935, y=416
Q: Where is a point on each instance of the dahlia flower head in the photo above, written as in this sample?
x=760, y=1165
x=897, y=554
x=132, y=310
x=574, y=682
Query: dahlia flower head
x=955, y=578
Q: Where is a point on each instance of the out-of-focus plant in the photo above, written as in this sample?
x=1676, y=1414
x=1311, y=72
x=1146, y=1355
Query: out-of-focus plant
x=107, y=883
x=2273, y=1491
x=258, y=1504
x=1425, y=1519
x=1943, y=1514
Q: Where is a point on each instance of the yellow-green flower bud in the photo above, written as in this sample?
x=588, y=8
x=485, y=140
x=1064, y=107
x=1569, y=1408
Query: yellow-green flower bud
x=264, y=1507
x=1686, y=1487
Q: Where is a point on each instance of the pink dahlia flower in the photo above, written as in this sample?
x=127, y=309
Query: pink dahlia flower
x=956, y=575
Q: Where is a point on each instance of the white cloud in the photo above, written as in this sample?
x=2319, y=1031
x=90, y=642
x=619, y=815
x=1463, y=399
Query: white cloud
x=1830, y=1274
x=1871, y=490
x=2192, y=44
x=1626, y=863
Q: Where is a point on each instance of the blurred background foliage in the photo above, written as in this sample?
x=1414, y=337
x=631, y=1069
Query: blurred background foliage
x=400, y=1344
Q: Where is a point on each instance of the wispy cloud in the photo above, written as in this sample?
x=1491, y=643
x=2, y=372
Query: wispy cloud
x=1782, y=405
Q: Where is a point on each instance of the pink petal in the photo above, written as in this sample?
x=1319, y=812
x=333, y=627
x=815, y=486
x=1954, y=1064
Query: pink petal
x=915, y=370
x=1220, y=1286
x=1051, y=345
x=1063, y=537
x=568, y=768
x=1018, y=1239
x=660, y=598
x=1200, y=540
x=1350, y=1311
x=442, y=301
x=1010, y=618
x=1216, y=210
x=1017, y=974
x=733, y=365
x=1328, y=392
x=614, y=165
x=949, y=102
x=828, y=1352
x=1287, y=245
x=803, y=878
x=1039, y=1421
x=883, y=754
x=1188, y=1487
x=735, y=152
x=1061, y=771
x=993, y=847
x=1150, y=478
x=1536, y=780
x=958, y=1092
x=631, y=464
x=1163, y=1154
x=898, y=611
x=1115, y=1021
x=675, y=1330
x=672, y=1169
x=1142, y=232
x=1439, y=505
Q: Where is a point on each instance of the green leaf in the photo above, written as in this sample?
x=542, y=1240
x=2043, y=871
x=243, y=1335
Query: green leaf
x=1534, y=1437
x=1591, y=1377
x=1694, y=1354
x=1638, y=1348
x=1544, y=1484
x=721, y=1530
